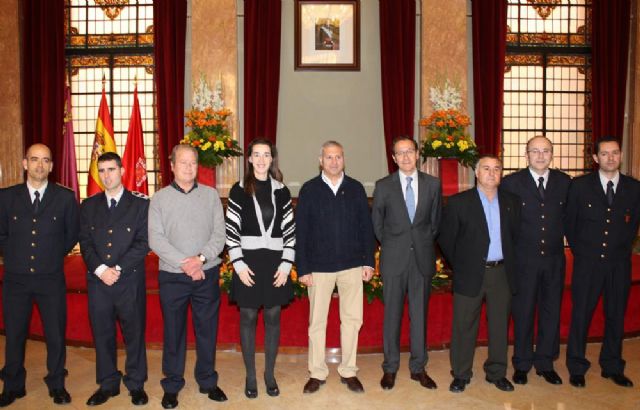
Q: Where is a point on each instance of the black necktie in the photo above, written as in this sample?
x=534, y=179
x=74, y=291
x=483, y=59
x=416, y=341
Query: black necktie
x=610, y=193
x=113, y=204
x=541, y=187
x=36, y=202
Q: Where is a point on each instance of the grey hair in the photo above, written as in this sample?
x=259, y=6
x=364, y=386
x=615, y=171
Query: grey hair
x=177, y=147
x=330, y=143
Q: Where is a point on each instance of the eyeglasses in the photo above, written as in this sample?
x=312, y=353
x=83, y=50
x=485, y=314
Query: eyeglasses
x=539, y=151
x=405, y=153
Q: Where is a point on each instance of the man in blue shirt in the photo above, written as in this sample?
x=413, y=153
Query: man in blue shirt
x=477, y=236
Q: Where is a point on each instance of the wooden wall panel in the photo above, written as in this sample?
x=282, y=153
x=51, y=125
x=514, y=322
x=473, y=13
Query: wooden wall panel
x=11, y=150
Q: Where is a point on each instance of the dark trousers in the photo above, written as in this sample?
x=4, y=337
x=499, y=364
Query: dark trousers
x=466, y=318
x=540, y=283
x=612, y=280
x=177, y=291
x=124, y=301
x=417, y=287
x=18, y=295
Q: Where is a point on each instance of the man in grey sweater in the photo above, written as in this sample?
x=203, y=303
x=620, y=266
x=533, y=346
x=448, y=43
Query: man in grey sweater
x=187, y=232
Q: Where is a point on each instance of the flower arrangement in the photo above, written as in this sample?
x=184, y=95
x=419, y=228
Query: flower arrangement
x=446, y=128
x=209, y=123
x=372, y=289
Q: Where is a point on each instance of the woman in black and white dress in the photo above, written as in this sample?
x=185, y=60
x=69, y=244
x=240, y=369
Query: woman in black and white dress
x=261, y=241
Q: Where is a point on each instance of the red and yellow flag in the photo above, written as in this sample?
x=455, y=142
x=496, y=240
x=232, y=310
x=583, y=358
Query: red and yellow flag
x=133, y=160
x=103, y=142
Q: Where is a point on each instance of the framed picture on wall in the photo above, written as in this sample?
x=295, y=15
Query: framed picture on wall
x=327, y=35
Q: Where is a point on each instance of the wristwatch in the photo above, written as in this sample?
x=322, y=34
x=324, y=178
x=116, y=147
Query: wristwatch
x=202, y=258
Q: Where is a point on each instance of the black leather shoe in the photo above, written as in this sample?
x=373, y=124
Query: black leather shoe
x=619, y=379
x=101, y=396
x=502, y=384
x=9, y=396
x=170, y=401
x=215, y=393
x=520, y=377
x=250, y=389
x=272, y=388
x=577, y=380
x=353, y=384
x=139, y=397
x=388, y=381
x=458, y=385
x=424, y=379
x=60, y=396
x=550, y=376
x=312, y=385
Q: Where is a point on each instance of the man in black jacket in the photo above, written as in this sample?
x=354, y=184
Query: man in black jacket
x=38, y=227
x=540, y=260
x=113, y=241
x=477, y=236
x=334, y=246
x=602, y=222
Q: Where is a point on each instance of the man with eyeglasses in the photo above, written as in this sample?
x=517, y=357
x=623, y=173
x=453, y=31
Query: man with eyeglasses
x=602, y=223
x=540, y=261
x=406, y=217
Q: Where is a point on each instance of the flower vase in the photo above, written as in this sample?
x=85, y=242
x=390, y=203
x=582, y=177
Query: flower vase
x=448, y=170
x=207, y=176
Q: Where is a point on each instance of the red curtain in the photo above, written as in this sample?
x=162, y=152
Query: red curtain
x=261, y=69
x=489, y=44
x=397, y=54
x=610, y=47
x=42, y=45
x=169, y=25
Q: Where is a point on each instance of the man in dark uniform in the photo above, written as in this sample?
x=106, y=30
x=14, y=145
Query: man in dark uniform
x=113, y=241
x=38, y=227
x=540, y=260
x=602, y=222
x=477, y=236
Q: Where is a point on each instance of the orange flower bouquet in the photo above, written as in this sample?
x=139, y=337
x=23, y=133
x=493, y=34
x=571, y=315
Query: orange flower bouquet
x=209, y=123
x=446, y=127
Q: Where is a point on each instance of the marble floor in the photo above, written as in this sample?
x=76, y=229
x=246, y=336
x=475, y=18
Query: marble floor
x=291, y=375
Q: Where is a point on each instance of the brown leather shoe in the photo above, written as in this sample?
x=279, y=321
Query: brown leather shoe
x=388, y=381
x=424, y=379
x=353, y=384
x=312, y=386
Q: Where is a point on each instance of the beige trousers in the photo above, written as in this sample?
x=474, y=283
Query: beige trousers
x=350, y=290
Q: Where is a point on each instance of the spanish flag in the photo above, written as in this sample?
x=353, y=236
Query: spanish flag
x=103, y=142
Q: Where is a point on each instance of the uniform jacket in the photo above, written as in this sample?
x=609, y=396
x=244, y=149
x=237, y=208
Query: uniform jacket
x=596, y=230
x=36, y=243
x=117, y=237
x=464, y=238
x=400, y=238
x=541, y=231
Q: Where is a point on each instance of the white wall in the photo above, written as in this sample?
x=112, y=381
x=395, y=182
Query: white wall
x=315, y=106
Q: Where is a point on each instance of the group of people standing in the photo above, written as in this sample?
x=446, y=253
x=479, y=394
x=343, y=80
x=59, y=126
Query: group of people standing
x=504, y=241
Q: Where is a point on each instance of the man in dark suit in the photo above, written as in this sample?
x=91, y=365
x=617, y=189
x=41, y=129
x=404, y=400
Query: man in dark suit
x=113, y=241
x=38, y=227
x=406, y=217
x=602, y=222
x=540, y=261
x=477, y=236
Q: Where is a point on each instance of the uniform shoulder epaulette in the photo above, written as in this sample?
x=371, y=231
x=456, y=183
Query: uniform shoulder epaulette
x=140, y=195
x=64, y=186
